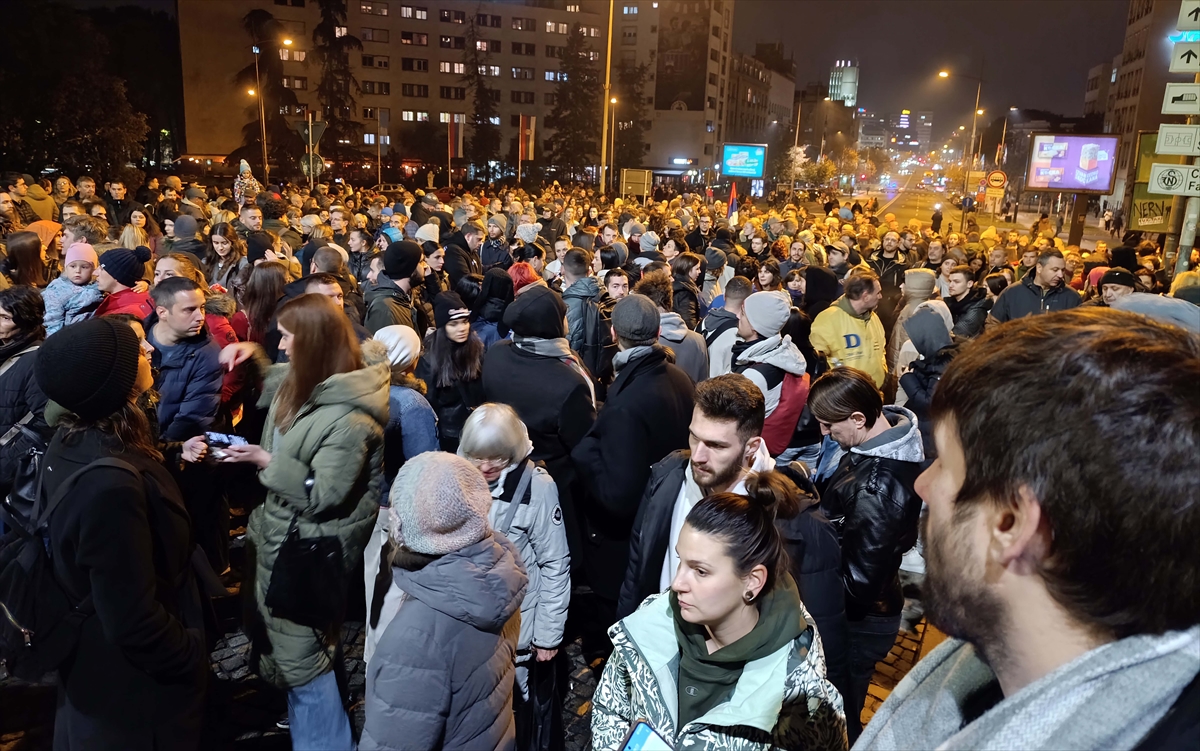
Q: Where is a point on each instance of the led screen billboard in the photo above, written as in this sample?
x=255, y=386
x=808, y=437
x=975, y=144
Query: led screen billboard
x=1072, y=163
x=743, y=159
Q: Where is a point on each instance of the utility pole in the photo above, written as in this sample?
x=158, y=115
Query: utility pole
x=1187, y=232
x=607, y=96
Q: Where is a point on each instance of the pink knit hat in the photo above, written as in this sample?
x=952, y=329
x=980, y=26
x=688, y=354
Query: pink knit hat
x=1095, y=274
x=81, y=252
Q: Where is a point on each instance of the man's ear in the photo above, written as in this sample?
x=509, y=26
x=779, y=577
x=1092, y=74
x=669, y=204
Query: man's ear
x=1021, y=534
x=751, y=450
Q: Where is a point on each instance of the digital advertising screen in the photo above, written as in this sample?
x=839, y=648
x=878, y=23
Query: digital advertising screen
x=743, y=159
x=1072, y=163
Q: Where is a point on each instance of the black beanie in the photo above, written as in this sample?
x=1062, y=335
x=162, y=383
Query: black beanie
x=447, y=307
x=401, y=259
x=257, y=245
x=89, y=367
x=537, y=311
x=125, y=265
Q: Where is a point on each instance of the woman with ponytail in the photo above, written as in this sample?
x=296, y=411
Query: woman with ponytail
x=731, y=641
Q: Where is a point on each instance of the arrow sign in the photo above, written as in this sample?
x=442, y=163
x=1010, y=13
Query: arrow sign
x=1189, y=16
x=1185, y=58
x=1178, y=139
x=1174, y=180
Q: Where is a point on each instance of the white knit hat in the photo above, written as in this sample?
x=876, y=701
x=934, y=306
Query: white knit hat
x=403, y=345
x=440, y=504
x=528, y=233
x=428, y=233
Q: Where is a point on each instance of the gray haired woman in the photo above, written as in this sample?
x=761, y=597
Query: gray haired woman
x=525, y=509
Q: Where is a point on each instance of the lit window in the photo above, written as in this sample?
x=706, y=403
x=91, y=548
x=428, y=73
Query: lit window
x=573, y=8
x=369, y=139
x=373, y=8
x=422, y=117
x=630, y=10
x=339, y=31
x=494, y=120
x=408, y=116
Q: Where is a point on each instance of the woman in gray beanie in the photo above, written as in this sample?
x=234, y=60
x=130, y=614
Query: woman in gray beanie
x=442, y=673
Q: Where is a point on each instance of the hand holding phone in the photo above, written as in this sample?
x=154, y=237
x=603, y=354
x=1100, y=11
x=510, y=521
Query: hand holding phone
x=642, y=737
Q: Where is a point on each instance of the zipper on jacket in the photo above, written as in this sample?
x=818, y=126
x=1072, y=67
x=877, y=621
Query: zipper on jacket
x=26, y=634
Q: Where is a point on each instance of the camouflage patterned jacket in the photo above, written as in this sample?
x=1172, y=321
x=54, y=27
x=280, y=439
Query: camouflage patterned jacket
x=782, y=701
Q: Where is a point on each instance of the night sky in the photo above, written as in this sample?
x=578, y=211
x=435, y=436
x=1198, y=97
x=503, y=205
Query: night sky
x=1037, y=52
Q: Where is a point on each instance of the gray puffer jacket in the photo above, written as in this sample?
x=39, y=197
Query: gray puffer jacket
x=537, y=532
x=442, y=675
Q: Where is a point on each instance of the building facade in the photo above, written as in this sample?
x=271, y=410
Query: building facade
x=1095, y=95
x=843, y=82
x=409, y=70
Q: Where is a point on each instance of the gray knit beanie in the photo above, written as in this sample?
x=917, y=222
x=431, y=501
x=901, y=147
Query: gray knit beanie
x=440, y=504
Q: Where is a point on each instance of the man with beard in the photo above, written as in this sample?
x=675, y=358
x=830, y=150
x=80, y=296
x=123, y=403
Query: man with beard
x=726, y=443
x=1041, y=291
x=1073, y=617
x=869, y=497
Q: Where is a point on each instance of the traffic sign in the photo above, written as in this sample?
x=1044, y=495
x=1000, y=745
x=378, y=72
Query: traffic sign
x=1178, y=139
x=318, y=130
x=1189, y=16
x=995, y=192
x=1175, y=180
x=1185, y=58
x=1181, y=99
x=997, y=179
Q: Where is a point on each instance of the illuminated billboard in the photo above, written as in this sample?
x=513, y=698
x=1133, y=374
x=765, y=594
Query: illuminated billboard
x=743, y=159
x=1072, y=163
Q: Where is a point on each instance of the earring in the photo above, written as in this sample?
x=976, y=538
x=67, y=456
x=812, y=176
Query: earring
x=749, y=596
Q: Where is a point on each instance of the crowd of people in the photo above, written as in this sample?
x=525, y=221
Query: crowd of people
x=705, y=440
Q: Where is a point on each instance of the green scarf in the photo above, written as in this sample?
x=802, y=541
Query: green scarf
x=705, y=680
x=843, y=302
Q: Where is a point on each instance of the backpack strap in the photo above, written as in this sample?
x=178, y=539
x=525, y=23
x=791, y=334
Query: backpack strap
x=42, y=515
x=518, y=494
x=13, y=360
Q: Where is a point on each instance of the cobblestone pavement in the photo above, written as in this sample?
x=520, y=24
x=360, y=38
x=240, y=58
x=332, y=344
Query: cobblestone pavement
x=243, y=710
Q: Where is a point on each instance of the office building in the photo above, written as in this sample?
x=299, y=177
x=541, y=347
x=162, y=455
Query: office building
x=843, y=82
x=688, y=49
x=409, y=70
x=760, y=104
x=923, y=125
x=1099, y=79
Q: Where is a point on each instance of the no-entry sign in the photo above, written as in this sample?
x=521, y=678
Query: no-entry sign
x=997, y=179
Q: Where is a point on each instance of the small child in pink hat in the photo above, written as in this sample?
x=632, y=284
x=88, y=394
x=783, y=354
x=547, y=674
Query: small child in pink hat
x=74, y=295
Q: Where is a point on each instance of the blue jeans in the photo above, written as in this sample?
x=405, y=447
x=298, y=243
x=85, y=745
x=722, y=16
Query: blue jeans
x=318, y=719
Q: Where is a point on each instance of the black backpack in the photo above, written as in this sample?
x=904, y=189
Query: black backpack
x=598, y=348
x=39, y=621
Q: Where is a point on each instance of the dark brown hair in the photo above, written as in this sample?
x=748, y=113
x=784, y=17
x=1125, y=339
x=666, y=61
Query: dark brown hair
x=25, y=259
x=843, y=391
x=323, y=345
x=261, y=296
x=1110, y=458
x=656, y=286
x=859, y=283
x=733, y=397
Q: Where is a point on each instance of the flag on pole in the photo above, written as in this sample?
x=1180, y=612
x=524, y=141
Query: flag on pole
x=528, y=137
x=731, y=214
x=454, y=130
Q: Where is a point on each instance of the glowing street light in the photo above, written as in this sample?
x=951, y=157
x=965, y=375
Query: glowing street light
x=250, y=92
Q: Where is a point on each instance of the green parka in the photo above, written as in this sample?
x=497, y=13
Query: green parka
x=337, y=441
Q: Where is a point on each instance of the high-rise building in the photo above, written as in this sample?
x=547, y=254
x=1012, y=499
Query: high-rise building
x=924, y=127
x=843, y=82
x=1135, y=98
x=687, y=47
x=760, y=103
x=1095, y=95
x=409, y=70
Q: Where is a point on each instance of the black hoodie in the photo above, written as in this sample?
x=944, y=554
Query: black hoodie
x=820, y=290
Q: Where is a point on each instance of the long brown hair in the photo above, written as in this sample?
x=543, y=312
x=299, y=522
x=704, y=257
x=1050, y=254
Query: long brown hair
x=323, y=344
x=237, y=249
x=25, y=259
x=128, y=429
x=260, y=296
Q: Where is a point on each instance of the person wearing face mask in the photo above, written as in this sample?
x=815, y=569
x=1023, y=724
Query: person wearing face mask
x=452, y=368
x=729, y=657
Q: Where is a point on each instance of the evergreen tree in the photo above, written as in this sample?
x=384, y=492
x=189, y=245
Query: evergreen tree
x=337, y=86
x=483, y=147
x=573, y=146
x=631, y=118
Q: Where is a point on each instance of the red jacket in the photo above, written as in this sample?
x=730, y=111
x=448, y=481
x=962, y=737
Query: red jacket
x=126, y=301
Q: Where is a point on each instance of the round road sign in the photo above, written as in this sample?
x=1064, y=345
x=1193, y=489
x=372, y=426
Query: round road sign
x=997, y=179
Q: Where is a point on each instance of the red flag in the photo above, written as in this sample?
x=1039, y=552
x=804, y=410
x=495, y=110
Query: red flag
x=528, y=137
x=454, y=131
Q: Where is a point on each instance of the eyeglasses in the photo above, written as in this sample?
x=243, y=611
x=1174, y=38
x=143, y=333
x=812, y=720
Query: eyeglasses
x=492, y=464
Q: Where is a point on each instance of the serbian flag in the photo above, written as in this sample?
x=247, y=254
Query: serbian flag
x=454, y=130
x=731, y=214
x=525, y=147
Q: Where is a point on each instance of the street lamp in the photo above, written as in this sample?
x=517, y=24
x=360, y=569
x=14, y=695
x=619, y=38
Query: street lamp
x=974, y=119
x=262, y=115
x=613, y=150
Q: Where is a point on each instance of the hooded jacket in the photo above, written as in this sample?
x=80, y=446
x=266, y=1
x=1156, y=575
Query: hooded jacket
x=969, y=313
x=871, y=502
x=685, y=300
x=719, y=329
x=848, y=338
x=189, y=382
x=781, y=700
x=577, y=296
x=41, y=203
x=768, y=363
x=460, y=259
x=388, y=305
x=645, y=417
x=820, y=290
x=691, y=353
x=442, y=674
x=326, y=471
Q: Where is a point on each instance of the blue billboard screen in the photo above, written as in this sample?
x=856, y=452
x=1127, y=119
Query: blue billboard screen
x=743, y=159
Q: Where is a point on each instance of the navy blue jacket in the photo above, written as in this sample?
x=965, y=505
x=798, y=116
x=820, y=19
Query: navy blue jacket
x=188, y=380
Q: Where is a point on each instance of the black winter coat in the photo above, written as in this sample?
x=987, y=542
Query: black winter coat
x=646, y=417
x=969, y=314
x=460, y=259
x=685, y=300
x=19, y=395
x=137, y=676
x=453, y=404
x=652, y=532
x=873, y=506
x=918, y=383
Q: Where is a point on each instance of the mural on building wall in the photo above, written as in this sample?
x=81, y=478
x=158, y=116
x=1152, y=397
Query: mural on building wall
x=683, y=44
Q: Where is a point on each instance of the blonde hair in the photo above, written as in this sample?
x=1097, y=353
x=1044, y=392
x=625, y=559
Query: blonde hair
x=222, y=217
x=1184, y=280
x=131, y=237
x=494, y=431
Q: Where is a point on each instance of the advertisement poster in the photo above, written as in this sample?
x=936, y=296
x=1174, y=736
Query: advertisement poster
x=743, y=159
x=682, y=56
x=1072, y=163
